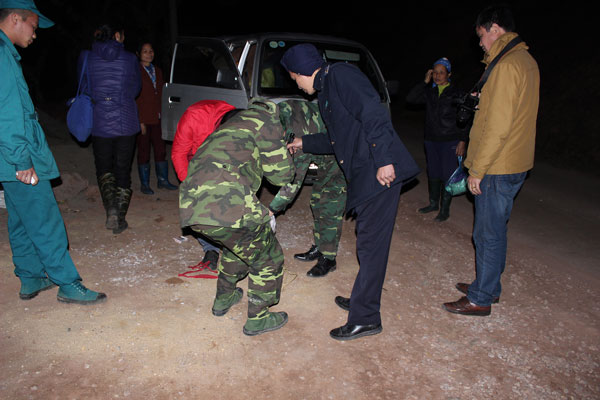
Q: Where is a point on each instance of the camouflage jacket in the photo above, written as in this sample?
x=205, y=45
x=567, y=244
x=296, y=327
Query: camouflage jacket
x=301, y=118
x=227, y=170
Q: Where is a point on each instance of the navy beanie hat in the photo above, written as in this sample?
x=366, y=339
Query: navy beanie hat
x=303, y=59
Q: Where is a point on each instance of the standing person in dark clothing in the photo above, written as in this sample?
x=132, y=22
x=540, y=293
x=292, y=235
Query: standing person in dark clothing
x=114, y=83
x=444, y=139
x=375, y=163
x=149, y=108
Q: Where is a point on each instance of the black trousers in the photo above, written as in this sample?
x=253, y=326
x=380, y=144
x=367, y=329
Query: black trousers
x=114, y=155
x=375, y=222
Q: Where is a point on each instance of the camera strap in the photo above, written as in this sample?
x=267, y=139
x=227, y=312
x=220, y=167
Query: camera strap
x=488, y=70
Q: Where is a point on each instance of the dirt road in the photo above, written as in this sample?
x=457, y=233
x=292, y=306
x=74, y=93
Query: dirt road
x=155, y=337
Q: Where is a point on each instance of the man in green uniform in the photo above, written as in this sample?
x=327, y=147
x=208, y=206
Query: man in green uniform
x=328, y=198
x=36, y=230
x=218, y=199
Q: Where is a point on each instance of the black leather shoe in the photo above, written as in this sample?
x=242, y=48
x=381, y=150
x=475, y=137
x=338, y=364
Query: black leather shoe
x=464, y=288
x=343, y=302
x=322, y=268
x=349, y=332
x=310, y=255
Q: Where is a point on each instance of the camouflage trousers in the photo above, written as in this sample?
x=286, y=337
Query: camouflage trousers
x=327, y=202
x=255, y=253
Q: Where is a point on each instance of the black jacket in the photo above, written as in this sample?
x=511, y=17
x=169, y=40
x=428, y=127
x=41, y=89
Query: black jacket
x=359, y=132
x=440, y=112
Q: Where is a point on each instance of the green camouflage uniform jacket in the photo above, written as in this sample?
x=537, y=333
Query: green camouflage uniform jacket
x=302, y=118
x=227, y=170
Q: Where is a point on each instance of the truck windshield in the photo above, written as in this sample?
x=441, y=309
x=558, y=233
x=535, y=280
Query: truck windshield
x=275, y=81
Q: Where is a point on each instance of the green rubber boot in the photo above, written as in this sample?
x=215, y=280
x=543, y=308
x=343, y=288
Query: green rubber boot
x=444, y=213
x=223, y=303
x=123, y=198
x=435, y=188
x=108, y=190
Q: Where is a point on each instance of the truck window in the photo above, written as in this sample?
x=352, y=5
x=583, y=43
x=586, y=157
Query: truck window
x=203, y=65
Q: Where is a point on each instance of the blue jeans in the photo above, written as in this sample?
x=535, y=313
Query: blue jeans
x=206, y=245
x=492, y=211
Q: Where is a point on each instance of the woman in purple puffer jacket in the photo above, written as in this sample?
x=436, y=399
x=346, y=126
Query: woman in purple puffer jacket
x=113, y=81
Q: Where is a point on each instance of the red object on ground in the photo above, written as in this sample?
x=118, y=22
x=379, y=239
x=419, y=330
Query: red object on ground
x=198, y=269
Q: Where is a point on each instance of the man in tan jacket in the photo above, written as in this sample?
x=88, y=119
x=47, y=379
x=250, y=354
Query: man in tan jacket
x=501, y=149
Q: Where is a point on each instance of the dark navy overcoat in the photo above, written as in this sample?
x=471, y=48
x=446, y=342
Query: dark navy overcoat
x=359, y=132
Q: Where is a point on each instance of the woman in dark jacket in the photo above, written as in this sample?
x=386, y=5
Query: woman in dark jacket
x=444, y=139
x=149, y=107
x=113, y=81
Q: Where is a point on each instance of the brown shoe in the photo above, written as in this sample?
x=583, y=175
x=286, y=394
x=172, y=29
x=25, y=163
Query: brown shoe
x=464, y=307
x=464, y=288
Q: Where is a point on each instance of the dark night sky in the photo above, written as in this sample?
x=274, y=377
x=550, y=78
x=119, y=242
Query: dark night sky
x=405, y=43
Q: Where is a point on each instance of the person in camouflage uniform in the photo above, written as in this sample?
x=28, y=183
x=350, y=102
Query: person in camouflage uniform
x=328, y=198
x=218, y=199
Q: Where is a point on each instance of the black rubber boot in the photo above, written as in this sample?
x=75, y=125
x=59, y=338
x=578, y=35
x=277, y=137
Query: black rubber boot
x=162, y=174
x=435, y=187
x=144, y=171
x=108, y=191
x=123, y=199
x=445, y=207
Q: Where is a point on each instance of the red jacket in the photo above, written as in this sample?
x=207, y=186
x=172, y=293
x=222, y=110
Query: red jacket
x=148, y=102
x=197, y=122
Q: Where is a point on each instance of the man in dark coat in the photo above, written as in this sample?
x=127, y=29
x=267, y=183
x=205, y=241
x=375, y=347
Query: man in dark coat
x=375, y=163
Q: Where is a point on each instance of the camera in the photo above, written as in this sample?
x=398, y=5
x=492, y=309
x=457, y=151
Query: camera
x=467, y=105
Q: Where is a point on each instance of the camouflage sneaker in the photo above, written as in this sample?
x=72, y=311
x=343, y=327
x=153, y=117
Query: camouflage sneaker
x=77, y=293
x=271, y=322
x=30, y=287
x=224, y=302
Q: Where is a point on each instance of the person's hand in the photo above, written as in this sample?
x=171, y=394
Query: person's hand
x=386, y=175
x=473, y=185
x=142, y=129
x=295, y=145
x=460, y=148
x=428, y=76
x=28, y=176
